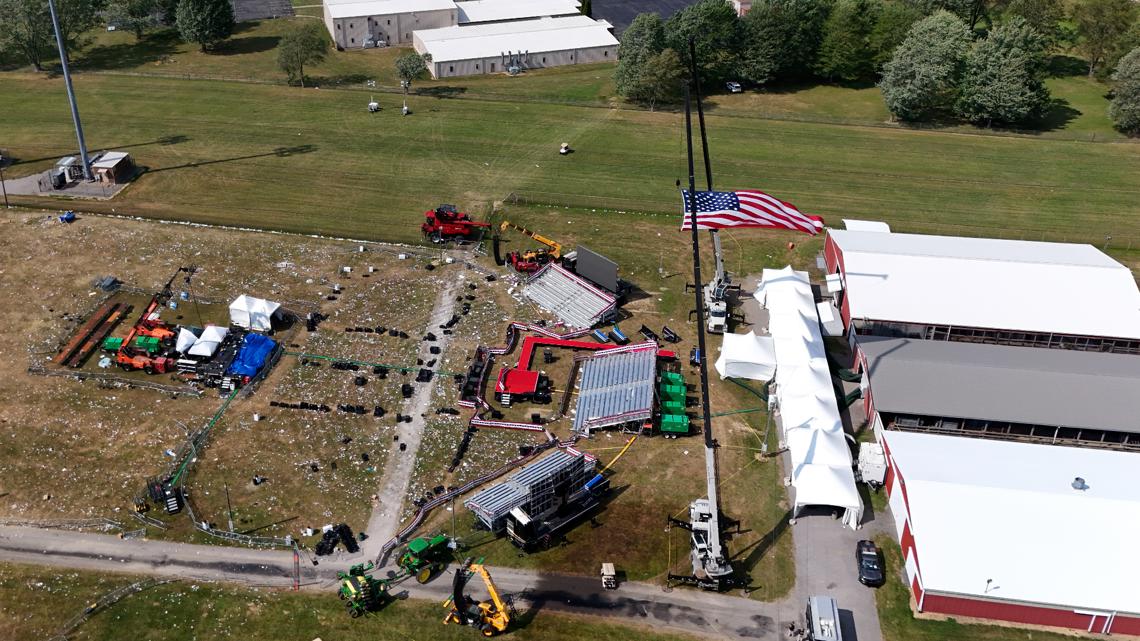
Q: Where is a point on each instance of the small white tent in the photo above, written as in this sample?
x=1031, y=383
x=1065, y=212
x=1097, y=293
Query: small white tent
x=253, y=313
x=747, y=356
x=209, y=341
x=186, y=339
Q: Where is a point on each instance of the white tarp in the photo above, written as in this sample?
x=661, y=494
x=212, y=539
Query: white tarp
x=253, y=313
x=747, y=356
x=822, y=468
x=209, y=341
x=854, y=224
x=186, y=339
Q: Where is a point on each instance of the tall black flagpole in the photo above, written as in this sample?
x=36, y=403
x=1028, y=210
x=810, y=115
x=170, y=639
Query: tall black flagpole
x=706, y=415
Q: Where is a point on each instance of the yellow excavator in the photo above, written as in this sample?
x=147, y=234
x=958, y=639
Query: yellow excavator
x=530, y=260
x=489, y=617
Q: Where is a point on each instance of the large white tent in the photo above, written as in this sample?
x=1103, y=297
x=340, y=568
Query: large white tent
x=186, y=339
x=747, y=356
x=253, y=313
x=209, y=341
x=821, y=471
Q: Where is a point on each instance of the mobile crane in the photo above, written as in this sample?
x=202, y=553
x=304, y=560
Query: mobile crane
x=489, y=617
x=531, y=260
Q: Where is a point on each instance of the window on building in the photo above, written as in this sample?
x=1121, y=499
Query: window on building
x=476, y=66
x=352, y=40
x=350, y=25
x=338, y=26
x=606, y=53
x=544, y=59
x=389, y=23
x=450, y=68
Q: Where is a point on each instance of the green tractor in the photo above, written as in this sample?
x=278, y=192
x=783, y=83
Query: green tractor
x=424, y=558
x=361, y=592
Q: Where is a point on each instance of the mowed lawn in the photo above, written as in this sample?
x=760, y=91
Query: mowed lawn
x=317, y=161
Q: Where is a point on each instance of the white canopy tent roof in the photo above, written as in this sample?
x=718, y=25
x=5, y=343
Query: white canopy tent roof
x=209, y=341
x=822, y=471
x=747, y=356
x=1001, y=520
x=186, y=339
x=253, y=313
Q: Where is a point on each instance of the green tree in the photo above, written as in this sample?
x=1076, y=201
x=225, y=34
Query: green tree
x=1124, y=109
x=1102, y=25
x=1042, y=15
x=411, y=66
x=782, y=38
x=922, y=77
x=205, y=22
x=664, y=80
x=640, y=42
x=970, y=11
x=893, y=22
x=587, y=8
x=135, y=15
x=716, y=30
x=1004, y=80
x=308, y=44
x=25, y=27
x=845, y=51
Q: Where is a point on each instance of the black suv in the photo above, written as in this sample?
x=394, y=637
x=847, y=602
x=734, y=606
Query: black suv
x=870, y=560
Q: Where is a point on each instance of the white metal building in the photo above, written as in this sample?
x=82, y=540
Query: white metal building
x=984, y=290
x=1020, y=532
x=354, y=25
x=465, y=50
x=481, y=11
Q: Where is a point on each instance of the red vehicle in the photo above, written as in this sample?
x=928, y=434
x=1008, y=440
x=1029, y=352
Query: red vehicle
x=134, y=359
x=446, y=223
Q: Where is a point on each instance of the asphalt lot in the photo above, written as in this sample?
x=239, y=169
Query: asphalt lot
x=622, y=12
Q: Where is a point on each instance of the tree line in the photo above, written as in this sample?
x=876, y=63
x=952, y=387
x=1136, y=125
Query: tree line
x=982, y=61
x=26, y=30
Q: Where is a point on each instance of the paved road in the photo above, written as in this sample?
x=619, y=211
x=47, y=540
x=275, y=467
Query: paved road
x=716, y=615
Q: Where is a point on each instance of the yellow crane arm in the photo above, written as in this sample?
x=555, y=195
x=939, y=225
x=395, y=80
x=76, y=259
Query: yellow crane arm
x=555, y=246
x=491, y=589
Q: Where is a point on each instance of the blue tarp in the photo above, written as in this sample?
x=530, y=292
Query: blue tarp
x=254, y=350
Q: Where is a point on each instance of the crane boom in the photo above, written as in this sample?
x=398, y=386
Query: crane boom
x=491, y=589
x=555, y=246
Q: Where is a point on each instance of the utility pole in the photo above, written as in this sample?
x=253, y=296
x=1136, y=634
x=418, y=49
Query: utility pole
x=70, y=93
x=3, y=185
x=229, y=507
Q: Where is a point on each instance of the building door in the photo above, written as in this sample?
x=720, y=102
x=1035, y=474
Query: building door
x=492, y=67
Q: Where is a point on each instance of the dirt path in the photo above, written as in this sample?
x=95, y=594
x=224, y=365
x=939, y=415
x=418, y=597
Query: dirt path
x=385, y=519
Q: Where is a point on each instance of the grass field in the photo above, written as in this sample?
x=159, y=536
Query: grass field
x=316, y=161
x=35, y=602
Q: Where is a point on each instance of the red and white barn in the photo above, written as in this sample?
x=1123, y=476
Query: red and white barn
x=982, y=290
x=985, y=445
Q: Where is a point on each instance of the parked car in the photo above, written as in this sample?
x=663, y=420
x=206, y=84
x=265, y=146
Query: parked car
x=870, y=560
x=734, y=87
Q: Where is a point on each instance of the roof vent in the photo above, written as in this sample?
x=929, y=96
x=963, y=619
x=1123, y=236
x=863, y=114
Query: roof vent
x=1079, y=484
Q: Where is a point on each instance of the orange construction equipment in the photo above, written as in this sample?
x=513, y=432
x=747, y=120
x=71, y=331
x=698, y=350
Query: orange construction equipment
x=130, y=357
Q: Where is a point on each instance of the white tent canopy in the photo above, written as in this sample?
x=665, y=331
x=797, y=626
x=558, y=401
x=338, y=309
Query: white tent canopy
x=209, y=341
x=253, y=313
x=821, y=459
x=186, y=339
x=747, y=356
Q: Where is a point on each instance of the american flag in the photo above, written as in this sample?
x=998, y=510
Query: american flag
x=747, y=208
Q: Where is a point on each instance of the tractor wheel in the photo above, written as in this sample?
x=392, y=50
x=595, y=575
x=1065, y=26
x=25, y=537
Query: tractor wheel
x=487, y=630
x=436, y=238
x=424, y=575
x=149, y=369
x=354, y=612
x=125, y=367
x=341, y=595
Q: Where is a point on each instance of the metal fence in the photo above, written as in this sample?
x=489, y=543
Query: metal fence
x=104, y=602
